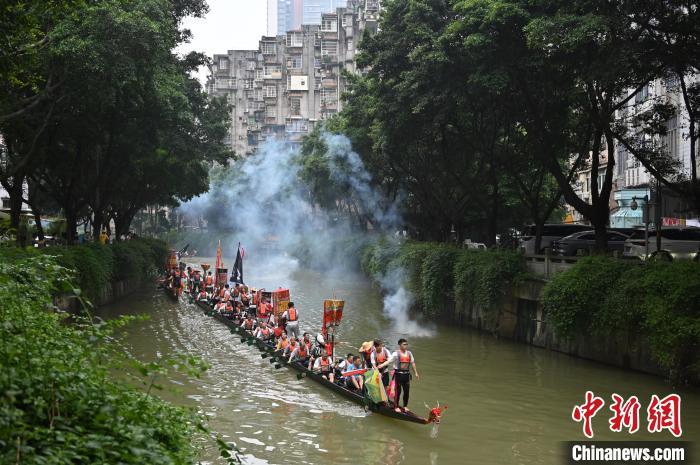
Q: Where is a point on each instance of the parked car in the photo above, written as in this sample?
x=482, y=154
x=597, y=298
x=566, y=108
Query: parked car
x=676, y=243
x=585, y=241
x=550, y=233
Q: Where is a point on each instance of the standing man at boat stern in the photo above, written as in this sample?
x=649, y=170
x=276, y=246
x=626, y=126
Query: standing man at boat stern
x=291, y=317
x=403, y=360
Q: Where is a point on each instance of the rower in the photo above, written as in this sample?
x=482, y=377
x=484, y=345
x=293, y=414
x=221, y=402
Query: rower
x=219, y=307
x=343, y=364
x=283, y=342
x=299, y=354
x=291, y=317
x=196, y=280
x=228, y=309
x=318, y=349
x=209, y=283
x=248, y=324
x=188, y=273
x=379, y=356
x=263, y=332
x=202, y=296
x=245, y=298
x=227, y=294
x=354, y=382
x=403, y=359
x=323, y=365
x=366, y=351
x=293, y=344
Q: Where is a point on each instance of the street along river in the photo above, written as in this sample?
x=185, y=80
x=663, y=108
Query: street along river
x=507, y=403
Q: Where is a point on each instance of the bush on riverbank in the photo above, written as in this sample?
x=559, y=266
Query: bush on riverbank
x=437, y=273
x=610, y=297
x=96, y=265
x=59, y=404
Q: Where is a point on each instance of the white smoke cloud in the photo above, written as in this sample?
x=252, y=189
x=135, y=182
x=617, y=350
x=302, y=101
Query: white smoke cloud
x=397, y=303
x=271, y=212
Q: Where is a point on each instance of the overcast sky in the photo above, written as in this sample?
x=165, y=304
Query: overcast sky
x=229, y=25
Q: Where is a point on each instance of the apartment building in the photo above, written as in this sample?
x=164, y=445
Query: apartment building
x=292, y=81
x=631, y=180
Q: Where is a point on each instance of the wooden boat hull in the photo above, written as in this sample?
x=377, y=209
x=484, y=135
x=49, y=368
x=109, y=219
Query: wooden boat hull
x=351, y=395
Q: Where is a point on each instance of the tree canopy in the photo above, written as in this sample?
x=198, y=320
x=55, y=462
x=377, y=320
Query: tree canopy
x=103, y=116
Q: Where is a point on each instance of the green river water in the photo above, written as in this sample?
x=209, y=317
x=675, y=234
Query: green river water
x=508, y=403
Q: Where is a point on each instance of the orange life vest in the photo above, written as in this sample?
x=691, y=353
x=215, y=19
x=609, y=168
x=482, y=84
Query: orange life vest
x=265, y=332
x=404, y=360
x=210, y=280
x=325, y=364
x=380, y=357
x=302, y=351
x=248, y=324
x=292, y=314
x=282, y=344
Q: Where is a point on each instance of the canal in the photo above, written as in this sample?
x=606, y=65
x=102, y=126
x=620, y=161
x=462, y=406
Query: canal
x=507, y=403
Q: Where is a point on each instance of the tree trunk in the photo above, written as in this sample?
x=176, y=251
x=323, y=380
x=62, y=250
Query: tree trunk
x=97, y=221
x=39, y=226
x=71, y=225
x=600, y=225
x=539, y=228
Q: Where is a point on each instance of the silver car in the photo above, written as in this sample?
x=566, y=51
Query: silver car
x=676, y=243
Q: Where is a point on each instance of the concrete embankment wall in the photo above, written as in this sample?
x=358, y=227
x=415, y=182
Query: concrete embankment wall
x=110, y=294
x=520, y=316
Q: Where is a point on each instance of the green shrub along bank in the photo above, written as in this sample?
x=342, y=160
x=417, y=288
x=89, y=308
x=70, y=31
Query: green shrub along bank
x=96, y=266
x=57, y=403
x=59, y=400
x=612, y=298
x=438, y=273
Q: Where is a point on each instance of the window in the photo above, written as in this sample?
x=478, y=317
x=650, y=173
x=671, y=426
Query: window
x=297, y=125
x=642, y=95
x=248, y=83
x=270, y=91
x=250, y=66
x=347, y=20
x=294, y=62
x=329, y=47
x=226, y=83
x=223, y=63
x=328, y=97
x=350, y=45
x=329, y=24
x=295, y=106
x=272, y=72
x=258, y=74
x=317, y=62
x=295, y=39
x=5, y=202
x=271, y=112
x=267, y=48
x=317, y=83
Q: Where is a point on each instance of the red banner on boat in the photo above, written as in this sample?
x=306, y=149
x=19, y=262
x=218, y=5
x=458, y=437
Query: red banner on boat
x=221, y=275
x=219, y=264
x=280, y=301
x=332, y=314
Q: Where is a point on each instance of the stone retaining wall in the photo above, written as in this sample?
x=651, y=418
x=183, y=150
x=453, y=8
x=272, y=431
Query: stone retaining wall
x=109, y=294
x=519, y=316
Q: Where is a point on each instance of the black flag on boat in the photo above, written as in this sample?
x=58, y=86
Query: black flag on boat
x=237, y=272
